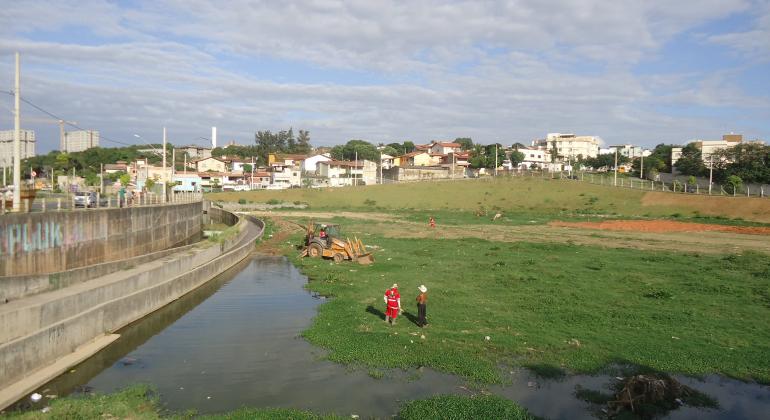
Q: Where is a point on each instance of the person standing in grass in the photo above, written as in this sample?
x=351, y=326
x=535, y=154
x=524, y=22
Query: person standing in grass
x=432, y=222
x=422, y=304
x=393, y=300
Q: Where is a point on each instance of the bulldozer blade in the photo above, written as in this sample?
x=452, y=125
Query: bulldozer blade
x=303, y=253
x=365, y=259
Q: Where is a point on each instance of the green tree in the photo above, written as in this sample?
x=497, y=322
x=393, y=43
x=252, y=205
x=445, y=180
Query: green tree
x=125, y=179
x=749, y=161
x=516, y=158
x=606, y=160
x=388, y=150
x=691, y=161
x=466, y=143
x=356, y=148
x=662, y=152
x=303, y=142
x=733, y=184
x=247, y=167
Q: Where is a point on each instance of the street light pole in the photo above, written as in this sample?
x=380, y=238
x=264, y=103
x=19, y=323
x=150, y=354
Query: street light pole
x=164, y=164
x=17, y=138
x=711, y=171
x=616, y=166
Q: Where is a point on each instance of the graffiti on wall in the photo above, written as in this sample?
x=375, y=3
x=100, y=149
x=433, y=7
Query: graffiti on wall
x=28, y=237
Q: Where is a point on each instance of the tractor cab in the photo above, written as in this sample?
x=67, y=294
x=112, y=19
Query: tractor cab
x=322, y=233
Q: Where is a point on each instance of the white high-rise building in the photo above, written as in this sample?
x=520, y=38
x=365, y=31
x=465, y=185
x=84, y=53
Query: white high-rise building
x=213, y=138
x=77, y=141
x=6, y=146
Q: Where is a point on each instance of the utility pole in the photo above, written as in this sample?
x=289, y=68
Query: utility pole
x=251, y=182
x=17, y=138
x=711, y=171
x=164, y=164
x=495, y=159
x=616, y=167
x=380, y=167
x=101, y=179
x=355, y=178
x=641, y=167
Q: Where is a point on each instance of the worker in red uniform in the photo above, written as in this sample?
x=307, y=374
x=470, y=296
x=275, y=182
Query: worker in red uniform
x=393, y=300
x=432, y=222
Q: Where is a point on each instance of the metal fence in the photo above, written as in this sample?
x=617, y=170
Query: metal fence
x=66, y=202
x=666, y=183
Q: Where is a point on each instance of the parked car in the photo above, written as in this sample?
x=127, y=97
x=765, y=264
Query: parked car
x=88, y=199
x=242, y=187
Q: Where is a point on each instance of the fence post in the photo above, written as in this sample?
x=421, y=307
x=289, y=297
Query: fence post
x=98, y=199
x=747, y=191
x=58, y=203
x=43, y=204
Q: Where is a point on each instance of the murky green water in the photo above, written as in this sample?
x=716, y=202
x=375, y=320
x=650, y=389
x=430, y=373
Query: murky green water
x=235, y=342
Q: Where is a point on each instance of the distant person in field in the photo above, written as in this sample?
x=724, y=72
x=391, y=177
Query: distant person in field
x=393, y=301
x=422, y=304
x=432, y=222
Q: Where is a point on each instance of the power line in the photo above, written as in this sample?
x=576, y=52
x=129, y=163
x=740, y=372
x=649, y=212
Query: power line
x=54, y=116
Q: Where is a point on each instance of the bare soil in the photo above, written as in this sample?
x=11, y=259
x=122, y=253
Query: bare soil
x=662, y=226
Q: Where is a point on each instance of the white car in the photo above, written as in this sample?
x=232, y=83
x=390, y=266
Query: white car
x=242, y=188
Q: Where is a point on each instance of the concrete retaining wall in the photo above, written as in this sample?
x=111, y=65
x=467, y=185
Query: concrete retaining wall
x=36, y=243
x=53, y=328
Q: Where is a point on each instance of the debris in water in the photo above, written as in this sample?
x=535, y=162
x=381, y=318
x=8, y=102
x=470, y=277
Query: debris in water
x=532, y=384
x=128, y=361
x=640, y=392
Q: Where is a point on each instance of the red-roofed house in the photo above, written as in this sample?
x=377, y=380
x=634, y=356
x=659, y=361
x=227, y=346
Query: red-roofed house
x=342, y=172
x=442, y=147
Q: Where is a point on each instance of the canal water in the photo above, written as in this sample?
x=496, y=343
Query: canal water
x=235, y=342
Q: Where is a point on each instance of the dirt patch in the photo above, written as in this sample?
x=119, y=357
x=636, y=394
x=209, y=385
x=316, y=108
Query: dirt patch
x=283, y=229
x=756, y=209
x=663, y=226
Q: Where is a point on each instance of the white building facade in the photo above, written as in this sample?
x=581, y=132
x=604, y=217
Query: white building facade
x=569, y=146
x=6, y=146
x=78, y=141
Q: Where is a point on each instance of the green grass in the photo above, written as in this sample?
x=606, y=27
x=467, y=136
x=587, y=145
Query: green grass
x=533, y=197
x=140, y=402
x=451, y=407
x=547, y=306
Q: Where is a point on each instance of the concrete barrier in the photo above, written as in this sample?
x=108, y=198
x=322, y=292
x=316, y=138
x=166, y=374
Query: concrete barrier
x=50, y=242
x=53, y=325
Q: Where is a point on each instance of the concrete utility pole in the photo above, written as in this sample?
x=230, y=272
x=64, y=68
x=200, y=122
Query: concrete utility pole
x=17, y=138
x=616, y=166
x=164, y=164
x=380, y=168
x=355, y=178
x=495, y=159
x=711, y=171
x=641, y=167
x=101, y=179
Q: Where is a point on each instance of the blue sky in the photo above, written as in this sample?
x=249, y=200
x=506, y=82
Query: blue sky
x=644, y=72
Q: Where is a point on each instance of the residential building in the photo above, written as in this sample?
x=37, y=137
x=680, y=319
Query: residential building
x=286, y=159
x=569, y=146
x=237, y=165
x=709, y=147
x=387, y=161
x=111, y=168
x=418, y=158
x=342, y=173
x=189, y=182
x=443, y=148
x=285, y=175
x=260, y=180
x=628, y=150
x=310, y=164
x=78, y=141
x=210, y=164
x=534, y=158
x=6, y=146
x=194, y=152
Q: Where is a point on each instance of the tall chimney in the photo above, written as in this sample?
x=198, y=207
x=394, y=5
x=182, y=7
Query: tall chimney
x=213, y=137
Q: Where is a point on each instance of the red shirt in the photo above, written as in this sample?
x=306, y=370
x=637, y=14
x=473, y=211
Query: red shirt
x=393, y=296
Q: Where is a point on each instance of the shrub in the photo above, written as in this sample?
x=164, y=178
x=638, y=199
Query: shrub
x=733, y=184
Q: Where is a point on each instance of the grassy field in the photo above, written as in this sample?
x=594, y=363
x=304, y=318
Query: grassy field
x=139, y=403
x=547, y=306
x=551, y=299
x=527, y=198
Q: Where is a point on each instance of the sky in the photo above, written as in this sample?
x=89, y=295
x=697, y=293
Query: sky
x=629, y=71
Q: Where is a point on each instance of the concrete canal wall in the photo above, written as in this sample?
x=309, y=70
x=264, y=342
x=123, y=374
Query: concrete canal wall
x=37, y=243
x=42, y=335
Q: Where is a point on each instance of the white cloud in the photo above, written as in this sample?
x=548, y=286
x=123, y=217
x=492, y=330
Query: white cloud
x=496, y=71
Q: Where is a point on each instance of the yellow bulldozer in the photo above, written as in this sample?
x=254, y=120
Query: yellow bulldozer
x=324, y=240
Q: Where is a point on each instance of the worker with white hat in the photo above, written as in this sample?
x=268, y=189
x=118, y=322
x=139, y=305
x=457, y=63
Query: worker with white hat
x=422, y=303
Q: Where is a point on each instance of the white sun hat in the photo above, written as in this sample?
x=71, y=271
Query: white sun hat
x=422, y=288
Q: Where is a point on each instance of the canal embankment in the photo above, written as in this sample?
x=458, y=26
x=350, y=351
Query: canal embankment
x=43, y=334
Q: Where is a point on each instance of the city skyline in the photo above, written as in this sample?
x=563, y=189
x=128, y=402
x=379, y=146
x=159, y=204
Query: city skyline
x=628, y=72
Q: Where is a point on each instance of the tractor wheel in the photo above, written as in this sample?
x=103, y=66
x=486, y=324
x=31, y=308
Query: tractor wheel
x=338, y=257
x=315, y=251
